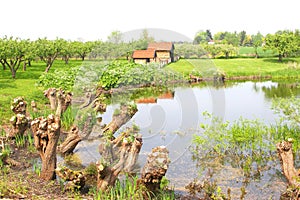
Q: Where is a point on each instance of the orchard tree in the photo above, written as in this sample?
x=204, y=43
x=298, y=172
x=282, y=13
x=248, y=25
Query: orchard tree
x=227, y=49
x=82, y=49
x=48, y=50
x=284, y=42
x=231, y=38
x=68, y=50
x=13, y=52
x=213, y=49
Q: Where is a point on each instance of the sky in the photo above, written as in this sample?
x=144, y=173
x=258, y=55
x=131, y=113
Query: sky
x=96, y=19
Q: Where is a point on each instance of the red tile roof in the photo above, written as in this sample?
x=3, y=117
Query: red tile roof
x=149, y=53
x=167, y=46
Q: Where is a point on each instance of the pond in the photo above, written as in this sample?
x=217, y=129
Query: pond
x=171, y=116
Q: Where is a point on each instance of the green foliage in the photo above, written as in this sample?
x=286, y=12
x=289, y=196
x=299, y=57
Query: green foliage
x=283, y=42
x=240, y=143
x=13, y=52
x=49, y=50
x=91, y=169
x=59, y=79
x=129, y=189
x=288, y=125
x=117, y=74
x=68, y=118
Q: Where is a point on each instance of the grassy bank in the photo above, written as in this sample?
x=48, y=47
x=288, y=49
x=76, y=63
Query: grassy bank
x=25, y=85
x=289, y=68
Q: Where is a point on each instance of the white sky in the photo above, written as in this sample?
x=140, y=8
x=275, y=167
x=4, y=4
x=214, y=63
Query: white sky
x=96, y=19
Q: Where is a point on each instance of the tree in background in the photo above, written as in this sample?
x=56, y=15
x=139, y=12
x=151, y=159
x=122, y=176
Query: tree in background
x=208, y=35
x=257, y=41
x=13, y=52
x=48, y=50
x=116, y=37
x=219, y=36
x=284, y=42
x=68, y=50
x=242, y=38
x=200, y=37
x=231, y=38
x=82, y=49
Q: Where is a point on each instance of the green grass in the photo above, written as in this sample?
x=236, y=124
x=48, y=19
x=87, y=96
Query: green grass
x=250, y=52
x=239, y=67
x=25, y=85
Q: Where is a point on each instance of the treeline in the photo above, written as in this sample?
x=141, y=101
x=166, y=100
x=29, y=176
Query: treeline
x=225, y=44
x=16, y=52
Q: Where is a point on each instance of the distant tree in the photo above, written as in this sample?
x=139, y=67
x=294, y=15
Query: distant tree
x=242, y=38
x=231, y=38
x=82, y=49
x=187, y=50
x=227, y=49
x=209, y=36
x=116, y=37
x=68, y=50
x=48, y=50
x=257, y=41
x=213, y=49
x=219, y=36
x=13, y=52
x=284, y=42
x=201, y=37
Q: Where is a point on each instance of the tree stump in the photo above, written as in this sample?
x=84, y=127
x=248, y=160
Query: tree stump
x=286, y=157
x=118, y=155
x=51, y=95
x=18, y=106
x=70, y=142
x=285, y=153
x=99, y=105
x=74, y=179
x=19, y=122
x=155, y=168
x=120, y=118
x=34, y=106
x=46, y=133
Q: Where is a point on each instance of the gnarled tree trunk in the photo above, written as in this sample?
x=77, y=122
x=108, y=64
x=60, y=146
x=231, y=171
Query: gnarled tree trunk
x=155, y=168
x=125, y=114
x=70, y=142
x=119, y=155
x=46, y=133
x=286, y=157
x=19, y=122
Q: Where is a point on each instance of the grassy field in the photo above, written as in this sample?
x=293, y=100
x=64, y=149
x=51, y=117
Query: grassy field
x=25, y=85
x=250, y=52
x=289, y=68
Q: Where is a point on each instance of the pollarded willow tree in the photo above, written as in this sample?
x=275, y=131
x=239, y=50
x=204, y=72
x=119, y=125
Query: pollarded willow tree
x=14, y=52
